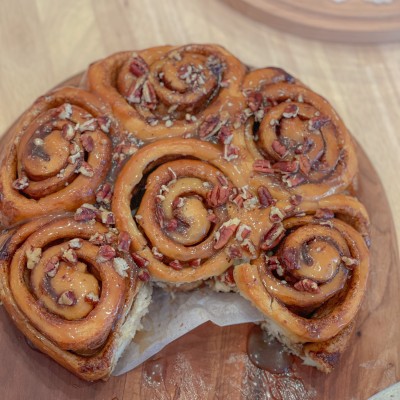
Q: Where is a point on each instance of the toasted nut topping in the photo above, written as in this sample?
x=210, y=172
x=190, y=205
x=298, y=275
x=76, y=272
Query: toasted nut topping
x=121, y=266
x=33, y=256
x=67, y=298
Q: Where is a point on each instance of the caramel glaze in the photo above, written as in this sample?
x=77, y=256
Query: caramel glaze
x=267, y=353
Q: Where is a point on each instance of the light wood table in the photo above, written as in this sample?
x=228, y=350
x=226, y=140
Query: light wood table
x=43, y=42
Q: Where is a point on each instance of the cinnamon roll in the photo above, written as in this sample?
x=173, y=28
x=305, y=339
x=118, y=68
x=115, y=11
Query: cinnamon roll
x=58, y=154
x=73, y=290
x=295, y=140
x=178, y=199
x=311, y=277
x=170, y=91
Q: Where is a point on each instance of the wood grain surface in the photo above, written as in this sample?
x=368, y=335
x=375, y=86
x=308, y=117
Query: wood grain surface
x=43, y=42
x=347, y=21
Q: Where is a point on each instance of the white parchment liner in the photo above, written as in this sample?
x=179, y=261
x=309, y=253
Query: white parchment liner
x=170, y=316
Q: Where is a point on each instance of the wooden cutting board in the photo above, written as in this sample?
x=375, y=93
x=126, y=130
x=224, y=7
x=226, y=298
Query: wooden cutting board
x=349, y=21
x=211, y=362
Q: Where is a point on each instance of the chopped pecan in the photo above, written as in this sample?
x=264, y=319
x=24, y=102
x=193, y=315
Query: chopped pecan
x=231, y=152
x=316, y=123
x=263, y=166
x=225, y=135
x=222, y=179
x=209, y=127
x=104, y=123
x=254, y=100
x=138, y=66
x=242, y=232
x=295, y=199
x=105, y=253
x=149, y=95
x=225, y=232
x=350, y=263
x=212, y=218
x=75, y=243
x=307, y=285
x=86, y=169
x=70, y=256
x=140, y=261
x=104, y=193
x=87, y=142
x=68, y=131
x=272, y=236
x=176, y=264
x=124, y=242
x=86, y=212
x=195, y=263
x=234, y=252
x=67, y=298
x=290, y=258
x=121, y=266
x=293, y=180
x=218, y=196
x=33, y=256
x=276, y=215
x=157, y=254
x=290, y=111
x=144, y=275
x=264, y=196
x=89, y=125
x=279, y=148
x=51, y=267
x=21, y=183
x=171, y=225
x=92, y=298
x=286, y=166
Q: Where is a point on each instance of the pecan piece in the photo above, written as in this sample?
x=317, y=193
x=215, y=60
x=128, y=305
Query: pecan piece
x=272, y=236
x=254, y=100
x=120, y=266
x=33, y=256
x=279, y=148
x=69, y=256
x=21, y=183
x=290, y=258
x=104, y=193
x=209, y=127
x=87, y=142
x=67, y=298
x=138, y=66
x=263, y=166
x=350, y=263
x=105, y=253
x=307, y=285
x=286, y=166
x=144, y=275
x=290, y=111
x=51, y=267
x=171, y=225
x=225, y=232
x=176, y=264
x=124, y=242
x=264, y=196
x=86, y=212
x=140, y=261
x=218, y=196
x=316, y=123
x=92, y=298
